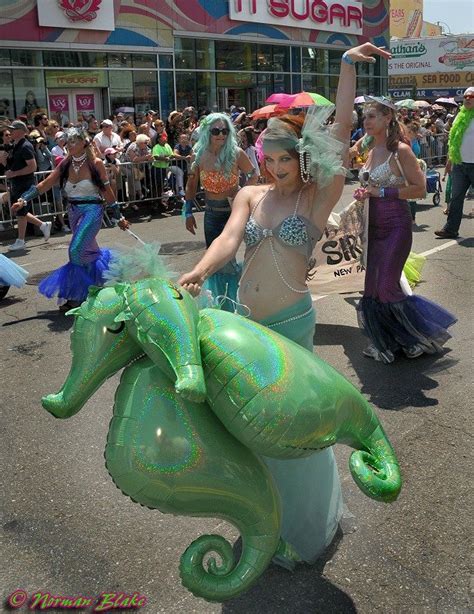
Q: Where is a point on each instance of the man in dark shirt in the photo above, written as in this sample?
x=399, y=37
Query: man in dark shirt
x=21, y=165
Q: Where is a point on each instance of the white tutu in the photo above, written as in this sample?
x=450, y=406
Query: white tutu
x=11, y=274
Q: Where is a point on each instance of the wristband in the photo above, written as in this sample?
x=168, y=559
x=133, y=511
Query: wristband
x=30, y=193
x=347, y=59
x=188, y=208
x=390, y=193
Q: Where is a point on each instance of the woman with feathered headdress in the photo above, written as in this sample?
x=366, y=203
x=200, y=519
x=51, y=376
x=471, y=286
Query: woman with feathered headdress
x=280, y=223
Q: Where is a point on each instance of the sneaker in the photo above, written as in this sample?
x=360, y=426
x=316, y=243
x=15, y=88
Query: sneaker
x=414, y=351
x=46, y=230
x=446, y=234
x=66, y=229
x=19, y=244
x=372, y=352
x=181, y=193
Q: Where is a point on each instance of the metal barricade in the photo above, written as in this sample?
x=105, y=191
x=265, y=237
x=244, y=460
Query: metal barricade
x=434, y=149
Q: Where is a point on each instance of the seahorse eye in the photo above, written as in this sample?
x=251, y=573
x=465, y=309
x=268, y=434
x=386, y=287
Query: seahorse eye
x=116, y=331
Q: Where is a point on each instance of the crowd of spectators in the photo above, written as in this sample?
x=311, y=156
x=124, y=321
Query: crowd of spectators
x=149, y=157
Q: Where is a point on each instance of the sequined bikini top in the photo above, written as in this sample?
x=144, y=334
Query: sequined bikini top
x=295, y=231
x=382, y=175
x=216, y=182
x=80, y=189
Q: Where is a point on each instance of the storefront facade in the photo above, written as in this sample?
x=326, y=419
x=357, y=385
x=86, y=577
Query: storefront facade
x=170, y=54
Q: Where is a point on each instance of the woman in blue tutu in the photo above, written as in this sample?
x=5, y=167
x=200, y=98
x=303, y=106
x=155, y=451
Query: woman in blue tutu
x=83, y=178
x=280, y=222
x=393, y=321
x=10, y=275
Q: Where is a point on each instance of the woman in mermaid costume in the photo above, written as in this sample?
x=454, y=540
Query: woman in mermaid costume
x=217, y=167
x=280, y=223
x=393, y=321
x=83, y=178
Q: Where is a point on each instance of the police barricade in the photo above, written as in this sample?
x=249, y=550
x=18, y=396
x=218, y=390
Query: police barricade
x=434, y=149
x=135, y=183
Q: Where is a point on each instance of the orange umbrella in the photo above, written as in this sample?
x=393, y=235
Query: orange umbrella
x=264, y=112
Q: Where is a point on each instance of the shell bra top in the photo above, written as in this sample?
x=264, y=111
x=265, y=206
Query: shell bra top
x=295, y=231
x=382, y=175
x=217, y=183
x=82, y=189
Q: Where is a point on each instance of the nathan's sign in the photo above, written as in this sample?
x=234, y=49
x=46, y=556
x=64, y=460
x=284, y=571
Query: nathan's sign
x=444, y=54
x=342, y=16
x=433, y=81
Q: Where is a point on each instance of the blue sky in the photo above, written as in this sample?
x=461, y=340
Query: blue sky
x=457, y=14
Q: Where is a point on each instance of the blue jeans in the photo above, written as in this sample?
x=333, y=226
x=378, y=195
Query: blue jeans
x=462, y=177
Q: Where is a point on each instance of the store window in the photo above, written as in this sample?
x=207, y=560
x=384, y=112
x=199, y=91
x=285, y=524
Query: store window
x=296, y=84
x=145, y=88
x=25, y=57
x=281, y=58
x=74, y=59
x=166, y=61
x=317, y=84
x=232, y=55
x=296, y=59
x=205, y=54
x=166, y=93
x=206, y=91
x=185, y=90
x=335, y=62
x=184, y=53
x=143, y=60
x=119, y=60
x=6, y=95
x=314, y=60
x=30, y=93
x=4, y=57
x=121, y=91
x=264, y=57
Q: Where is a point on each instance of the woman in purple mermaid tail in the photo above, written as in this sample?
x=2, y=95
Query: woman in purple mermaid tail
x=393, y=321
x=83, y=178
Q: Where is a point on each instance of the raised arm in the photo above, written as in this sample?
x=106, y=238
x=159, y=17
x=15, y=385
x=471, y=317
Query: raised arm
x=328, y=197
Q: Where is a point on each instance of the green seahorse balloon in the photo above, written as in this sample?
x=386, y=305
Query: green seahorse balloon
x=202, y=395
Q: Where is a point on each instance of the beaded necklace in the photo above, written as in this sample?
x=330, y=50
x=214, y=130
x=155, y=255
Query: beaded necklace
x=78, y=163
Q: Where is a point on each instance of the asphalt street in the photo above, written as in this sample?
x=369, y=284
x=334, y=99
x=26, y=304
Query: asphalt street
x=68, y=530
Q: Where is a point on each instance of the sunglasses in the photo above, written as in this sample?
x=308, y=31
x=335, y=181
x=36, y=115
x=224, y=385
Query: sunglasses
x=469, y=97
x=217, y=131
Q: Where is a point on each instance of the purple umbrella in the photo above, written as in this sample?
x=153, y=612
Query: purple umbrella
x=277, y=98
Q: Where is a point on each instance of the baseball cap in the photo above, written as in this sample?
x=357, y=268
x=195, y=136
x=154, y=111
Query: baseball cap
x=151, y=112
x=107, y=122
x=110, y=150
x=468, y=92
x=18, y=125
x=60, y=135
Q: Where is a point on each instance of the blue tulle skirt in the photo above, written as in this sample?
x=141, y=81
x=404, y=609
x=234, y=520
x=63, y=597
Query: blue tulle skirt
x=403, y=324
x=71, y=282
x=11, y=274
x=309, y=488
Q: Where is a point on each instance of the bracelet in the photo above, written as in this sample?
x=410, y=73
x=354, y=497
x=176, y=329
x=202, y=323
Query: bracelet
x=347, y=59
x=389, y=193
x=188, y=208
x=30, y=193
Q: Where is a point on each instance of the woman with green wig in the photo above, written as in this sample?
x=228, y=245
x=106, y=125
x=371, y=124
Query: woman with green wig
x=217, y=166
x=280, y=222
